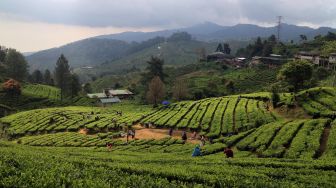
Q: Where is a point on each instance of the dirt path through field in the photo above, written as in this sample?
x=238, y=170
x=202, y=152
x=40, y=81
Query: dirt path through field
x=323, y=142
x=151, y=133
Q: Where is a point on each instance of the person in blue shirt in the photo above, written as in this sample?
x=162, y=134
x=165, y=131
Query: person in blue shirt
x=197, y=151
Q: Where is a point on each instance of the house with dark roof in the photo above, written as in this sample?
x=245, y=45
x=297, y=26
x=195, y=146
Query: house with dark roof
x=219, y=57
x=271, y=61
x=120, y=93
x=316, y=58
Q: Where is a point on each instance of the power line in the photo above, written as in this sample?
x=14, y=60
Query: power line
x=279, y=27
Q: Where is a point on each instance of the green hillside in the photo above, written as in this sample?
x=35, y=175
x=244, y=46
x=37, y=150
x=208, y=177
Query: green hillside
x=43, y=91
x=175, y=53
x=270, y=150
x=203, y=79
x=41, y=96
x=92, y=167
x=253, y=124
x=72, y=119
x=214, y=116
x=85, y=52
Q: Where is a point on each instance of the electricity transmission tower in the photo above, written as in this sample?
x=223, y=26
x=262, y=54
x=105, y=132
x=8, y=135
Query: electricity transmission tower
x=279, y=27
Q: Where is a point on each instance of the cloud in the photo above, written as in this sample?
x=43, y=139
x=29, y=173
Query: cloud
x=170, y=13
x=34, y=36
x=30, y=25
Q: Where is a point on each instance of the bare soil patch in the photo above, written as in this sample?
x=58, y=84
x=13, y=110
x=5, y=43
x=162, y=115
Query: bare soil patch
x=83, y=131
x=155, y=133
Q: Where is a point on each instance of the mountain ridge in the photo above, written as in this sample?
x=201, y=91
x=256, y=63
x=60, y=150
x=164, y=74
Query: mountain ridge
x=106, y=48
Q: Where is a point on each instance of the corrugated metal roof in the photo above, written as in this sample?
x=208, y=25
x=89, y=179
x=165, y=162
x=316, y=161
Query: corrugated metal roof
x=120, y=92
x=110, y=100
x=96, y=95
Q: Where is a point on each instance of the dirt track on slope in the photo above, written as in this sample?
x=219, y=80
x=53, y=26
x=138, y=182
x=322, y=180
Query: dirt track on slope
x=147, y=133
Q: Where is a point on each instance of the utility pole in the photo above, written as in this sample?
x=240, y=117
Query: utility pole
x=279, y=27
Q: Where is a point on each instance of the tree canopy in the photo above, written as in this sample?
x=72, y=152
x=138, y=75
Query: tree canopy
x=16, y=66
x=12, y=87
x=63, y=75
x=156, y=91
x=296, y=73
x=179, y=36
x=154, y=68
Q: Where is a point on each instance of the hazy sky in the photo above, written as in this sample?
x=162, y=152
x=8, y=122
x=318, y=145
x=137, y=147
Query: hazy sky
x=30, y=25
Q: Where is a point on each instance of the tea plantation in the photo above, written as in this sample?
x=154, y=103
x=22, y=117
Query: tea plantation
x=270, y=150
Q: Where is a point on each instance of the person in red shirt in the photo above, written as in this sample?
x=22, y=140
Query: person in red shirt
x=228, y=152
x=109, y=146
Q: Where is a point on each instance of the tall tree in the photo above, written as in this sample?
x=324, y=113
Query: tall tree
x=267, y=49
x=154, y=68
x=258, y=47
x=296, y=73
x=272, y=39
x=219, y=48
x=37, y=77
x=230, y=87
x=3, y=52
x=87, y=88
x=180, y=90
x=227, y=49
x=303, y=37
x=75, y=85
x=330, y=36
x=16, y=65
x=47, y=78
x=156, y=91
x=63, y=75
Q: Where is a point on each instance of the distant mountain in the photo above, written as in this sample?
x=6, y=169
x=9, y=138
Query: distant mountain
x=212, y=32
x=108, y=48
x=85, y=52
x=199, y=31
x=28, y=53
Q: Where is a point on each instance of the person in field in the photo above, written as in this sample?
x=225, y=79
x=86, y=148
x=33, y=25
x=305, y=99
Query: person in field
x=211, y=140
x=202, y=140
x=171, y=132
x=197, y=151
x=193, y=137
x=109, y=146
x=133, y=133
x=184, y=136
x=228, y=152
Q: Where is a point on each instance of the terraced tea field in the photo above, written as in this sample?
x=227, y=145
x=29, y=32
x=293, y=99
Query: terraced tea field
x=319, y=102
x=94, y=167
x=269, y=150
x=43, y=91
x=215, y=116
x=71, y=119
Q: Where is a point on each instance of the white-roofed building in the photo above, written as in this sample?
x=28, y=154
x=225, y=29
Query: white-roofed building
x=96, y=95
x=109, y=101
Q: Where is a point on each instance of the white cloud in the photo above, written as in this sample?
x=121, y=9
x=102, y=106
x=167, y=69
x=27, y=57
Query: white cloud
x=34, y=36
x=67, y=20
x=169, y=13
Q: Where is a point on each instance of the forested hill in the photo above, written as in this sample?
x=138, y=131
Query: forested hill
x=212, y=32
x=81, y=53
x=107, y=48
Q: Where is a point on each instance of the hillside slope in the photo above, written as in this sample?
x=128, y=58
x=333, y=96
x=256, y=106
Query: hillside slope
x=176, y=53
x=213, y=32
x=88, y=52
x=41, y=96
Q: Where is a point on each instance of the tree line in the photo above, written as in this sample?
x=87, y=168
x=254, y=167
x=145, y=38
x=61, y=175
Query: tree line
x=62, y=78
x=15, y=69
